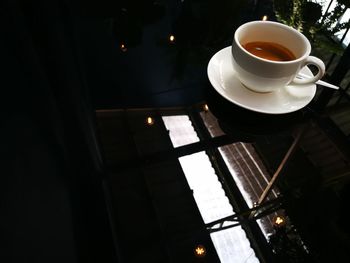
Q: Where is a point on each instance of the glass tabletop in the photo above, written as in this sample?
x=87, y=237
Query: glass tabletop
x=152, y=62
x=156, y=54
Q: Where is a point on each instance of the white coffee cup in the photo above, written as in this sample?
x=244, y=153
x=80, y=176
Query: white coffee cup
x=263, y=75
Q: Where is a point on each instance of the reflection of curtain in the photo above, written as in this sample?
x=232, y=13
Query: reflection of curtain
x=52, y=207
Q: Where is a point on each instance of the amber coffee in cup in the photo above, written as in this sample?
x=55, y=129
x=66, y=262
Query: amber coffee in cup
x=269, y=51
x=268, y=55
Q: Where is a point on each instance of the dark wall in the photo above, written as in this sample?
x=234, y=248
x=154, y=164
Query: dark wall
x=51, y=195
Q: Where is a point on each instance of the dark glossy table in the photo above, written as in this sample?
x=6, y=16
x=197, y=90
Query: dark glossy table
x=154, y=55
x=158, y=55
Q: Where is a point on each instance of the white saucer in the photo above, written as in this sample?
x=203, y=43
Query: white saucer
x=223, y=78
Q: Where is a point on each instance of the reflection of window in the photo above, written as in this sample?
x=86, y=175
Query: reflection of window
x=329, y=6
x=180, y=130
x=325, y=5
x=341, y=33
x=246, y=169
x=232, y=244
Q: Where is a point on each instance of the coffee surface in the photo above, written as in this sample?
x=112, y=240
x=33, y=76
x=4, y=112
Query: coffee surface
x=269, y=50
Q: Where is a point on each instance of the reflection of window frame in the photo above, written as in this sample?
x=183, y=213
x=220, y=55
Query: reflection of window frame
x=342, y=36
x=222, y=171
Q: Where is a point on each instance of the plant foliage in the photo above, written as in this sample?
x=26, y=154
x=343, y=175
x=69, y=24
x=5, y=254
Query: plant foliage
x=306, y=16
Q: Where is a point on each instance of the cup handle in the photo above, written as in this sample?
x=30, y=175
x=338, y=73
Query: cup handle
x=321, y=70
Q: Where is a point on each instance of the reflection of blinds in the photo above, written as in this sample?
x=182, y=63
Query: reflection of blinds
x=250, y=176
x=248, y=172
x=207, y=190
x=246, y=168
x=232, y=245
x=180, y=130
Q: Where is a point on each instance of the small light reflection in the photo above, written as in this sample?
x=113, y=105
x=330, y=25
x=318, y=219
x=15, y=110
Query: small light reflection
x=264, y=18
x=123, y=47
x=150, y=121
x=205, y=107
x=279, y=221
x=172, y=38
x=200, y=251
